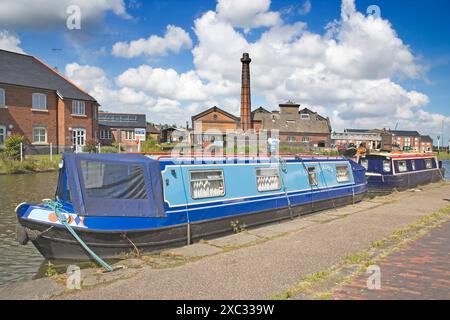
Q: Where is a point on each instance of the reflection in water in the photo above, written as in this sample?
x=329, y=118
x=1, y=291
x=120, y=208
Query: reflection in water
x=19, y=262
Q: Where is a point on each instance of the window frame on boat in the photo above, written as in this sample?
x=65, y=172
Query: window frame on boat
x=196, y=180
x=413, y=165
x=365, y=164
x=258, y=176
x=428, y=163
x=310, y=175
x=338, y=178
x=385, y=162
x=402, y=166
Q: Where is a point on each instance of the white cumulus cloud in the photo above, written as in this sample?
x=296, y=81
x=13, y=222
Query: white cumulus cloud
x=9, y=42
x=173, y=40
x=48, y=13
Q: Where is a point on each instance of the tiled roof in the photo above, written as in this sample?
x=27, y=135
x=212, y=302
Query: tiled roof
x=24, y=70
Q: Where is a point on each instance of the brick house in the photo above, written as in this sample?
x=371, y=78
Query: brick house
x=426, y=144
x=115, y=128
x=39, y=103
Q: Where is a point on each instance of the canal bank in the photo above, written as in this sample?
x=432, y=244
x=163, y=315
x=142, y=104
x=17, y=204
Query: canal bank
x=255, y=264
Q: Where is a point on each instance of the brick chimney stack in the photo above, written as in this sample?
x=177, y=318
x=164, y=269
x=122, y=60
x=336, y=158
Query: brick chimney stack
x=246, y=103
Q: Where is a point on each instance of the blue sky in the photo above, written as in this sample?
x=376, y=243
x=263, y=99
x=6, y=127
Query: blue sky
x=422, y=28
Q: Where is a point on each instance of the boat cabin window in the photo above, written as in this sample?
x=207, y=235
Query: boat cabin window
x=429, y=163
x=312, y=176
x=402, y=167
x=365, y=163
x=109, y=180
x=267, y=179
x=387, y=166
x=413, y=165
x=342, y=174
x=207, y=184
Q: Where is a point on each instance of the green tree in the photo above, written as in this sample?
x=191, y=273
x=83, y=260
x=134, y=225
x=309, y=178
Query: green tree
x=12, y=146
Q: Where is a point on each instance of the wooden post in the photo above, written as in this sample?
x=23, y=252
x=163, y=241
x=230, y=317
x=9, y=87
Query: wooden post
x=51, y=151
x=21, y=152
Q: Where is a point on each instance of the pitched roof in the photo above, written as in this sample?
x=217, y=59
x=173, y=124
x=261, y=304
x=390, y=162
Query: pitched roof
x=405, y=133
x=426, y=139
x=122, y=120
x=151, y=128
x=24, y=70
x=217, y=109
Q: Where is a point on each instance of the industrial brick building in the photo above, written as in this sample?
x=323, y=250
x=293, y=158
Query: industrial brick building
x=299, y=127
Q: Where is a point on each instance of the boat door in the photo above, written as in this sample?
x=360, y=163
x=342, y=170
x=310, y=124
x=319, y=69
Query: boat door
x=78, y=139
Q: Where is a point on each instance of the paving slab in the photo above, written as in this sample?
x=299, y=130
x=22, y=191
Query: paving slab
x=195, y=250
x=275, y=230
x=321, y=217
x=235, y=240
x=43, y=288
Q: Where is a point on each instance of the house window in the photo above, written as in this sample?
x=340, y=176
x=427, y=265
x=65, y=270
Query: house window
x=291, y=139
x=305, y=139
x=2, y=135
x=305, y=116
x=130, y=135
x=207, y=184
x=78, y=108
x=2, y=98
x=402, y=167
x=428, y=163
x=40, y=135
x=106, y=134
x=267, y=179
x=39, y=101
x=312, y=176
x=342, y=174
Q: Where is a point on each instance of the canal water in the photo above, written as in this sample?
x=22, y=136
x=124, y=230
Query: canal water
x=20, y=262
x=24, y=262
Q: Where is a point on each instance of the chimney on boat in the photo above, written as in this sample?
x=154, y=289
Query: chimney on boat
x=246, y=103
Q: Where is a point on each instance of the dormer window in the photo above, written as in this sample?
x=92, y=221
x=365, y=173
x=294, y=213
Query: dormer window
x=305, y=116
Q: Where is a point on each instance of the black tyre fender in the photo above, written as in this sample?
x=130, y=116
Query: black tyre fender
x=21, y=235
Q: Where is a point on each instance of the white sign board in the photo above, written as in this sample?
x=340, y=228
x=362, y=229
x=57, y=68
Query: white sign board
x=139, y=134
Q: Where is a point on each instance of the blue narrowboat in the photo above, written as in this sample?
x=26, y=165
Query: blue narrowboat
x=122, y=203
x=400, y=171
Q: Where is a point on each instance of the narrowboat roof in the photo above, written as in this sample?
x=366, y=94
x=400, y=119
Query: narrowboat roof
x=401, y=155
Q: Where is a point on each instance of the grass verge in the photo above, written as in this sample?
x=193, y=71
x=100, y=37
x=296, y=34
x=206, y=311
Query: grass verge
x=29, y=164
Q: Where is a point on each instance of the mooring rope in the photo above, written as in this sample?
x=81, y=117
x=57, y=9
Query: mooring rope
x=283, y=169
x=58, y=208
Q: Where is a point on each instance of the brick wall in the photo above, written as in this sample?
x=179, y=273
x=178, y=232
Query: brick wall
x=58, y=117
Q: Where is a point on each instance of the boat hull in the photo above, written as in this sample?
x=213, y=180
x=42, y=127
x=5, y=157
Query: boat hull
x=389, y=183
x=57, y=243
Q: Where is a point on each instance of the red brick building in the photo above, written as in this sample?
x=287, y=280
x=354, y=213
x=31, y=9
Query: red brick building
x=40, y=104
